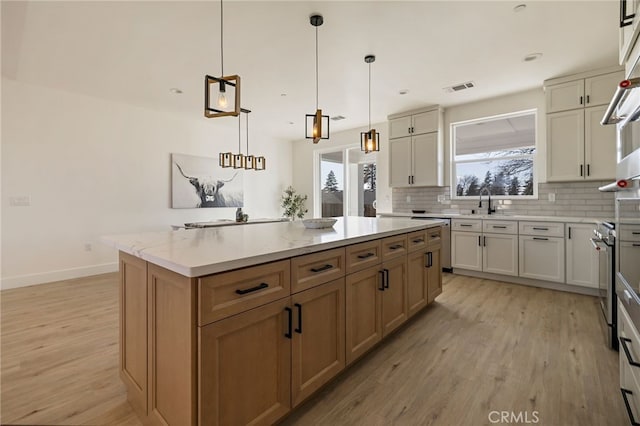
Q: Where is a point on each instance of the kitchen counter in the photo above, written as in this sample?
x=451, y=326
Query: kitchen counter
x=198, y=252
x=499, y=216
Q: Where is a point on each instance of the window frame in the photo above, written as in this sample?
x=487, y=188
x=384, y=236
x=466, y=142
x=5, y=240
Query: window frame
x=453, y=178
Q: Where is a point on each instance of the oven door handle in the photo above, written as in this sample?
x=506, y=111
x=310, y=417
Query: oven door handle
x=597, y=244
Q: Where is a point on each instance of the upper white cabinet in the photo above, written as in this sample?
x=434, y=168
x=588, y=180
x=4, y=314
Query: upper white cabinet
x=582, y=258
x=578, y=147
x=416, y=149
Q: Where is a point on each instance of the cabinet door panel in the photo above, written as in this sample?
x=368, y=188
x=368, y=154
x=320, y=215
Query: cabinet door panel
x=565, y=145
x=416, y=281
x=399, y=162
x=363, y=306
x=434, y=276
x=318, y=340
x=599, y=145
x=500, y=254
x=565, y=96
x=425, y=122
x=466, y=252
x=542, y=258
x=582, y=258
x=245, y=368
x=600, y=89
x=425, y=160
x=394, y=297
x=399, y=127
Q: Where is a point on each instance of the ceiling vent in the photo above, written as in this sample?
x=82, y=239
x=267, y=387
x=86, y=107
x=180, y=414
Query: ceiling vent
x=459, y=87
x=338, y=117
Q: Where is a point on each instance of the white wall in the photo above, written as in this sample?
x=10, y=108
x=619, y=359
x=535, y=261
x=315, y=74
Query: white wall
x=93, y=167
x=303, y=157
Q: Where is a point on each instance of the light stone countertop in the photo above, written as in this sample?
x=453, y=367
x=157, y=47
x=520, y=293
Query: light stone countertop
x=499, y=216
x=198, y=252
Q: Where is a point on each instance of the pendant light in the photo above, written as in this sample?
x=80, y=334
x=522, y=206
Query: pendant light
x=221, y=94
x=315, y=124
x=370, y=140
x=229, y=159
x=251, y=161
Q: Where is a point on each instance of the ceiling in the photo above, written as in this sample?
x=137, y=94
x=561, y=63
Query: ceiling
x=134, y=52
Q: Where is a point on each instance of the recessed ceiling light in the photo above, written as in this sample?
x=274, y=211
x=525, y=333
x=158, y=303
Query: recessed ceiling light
x=283, y=94
x=532, y=57
x=403, y=91
x=291, y=122
x=338, y=117
x=520, y=8
x=175, y=90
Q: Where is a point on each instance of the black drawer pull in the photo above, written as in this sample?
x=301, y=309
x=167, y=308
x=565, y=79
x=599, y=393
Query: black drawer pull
x=289, y=322
x=322, y=268
x=635, y=233
x=465, y=225
x=499, y=227
x=623, y=342
x=540, y=239
x=252, y=289
x=635, y=245
x=381, y=273
x=395, y=246
x=299, y=328
x=418, y=240
x=540, y=229
x=429, y=259
x=626, y=392
x=365, y=256
x=434, y=236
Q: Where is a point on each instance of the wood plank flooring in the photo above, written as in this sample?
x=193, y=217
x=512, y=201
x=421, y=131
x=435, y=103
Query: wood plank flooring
x=483, y=346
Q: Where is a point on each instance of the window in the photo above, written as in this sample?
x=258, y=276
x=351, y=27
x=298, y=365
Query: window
x=496, y=153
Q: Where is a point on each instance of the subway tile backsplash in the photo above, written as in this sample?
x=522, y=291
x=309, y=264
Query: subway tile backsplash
x=575, y=199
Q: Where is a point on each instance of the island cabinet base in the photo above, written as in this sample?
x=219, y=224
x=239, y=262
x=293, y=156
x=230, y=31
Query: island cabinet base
x=247, y=346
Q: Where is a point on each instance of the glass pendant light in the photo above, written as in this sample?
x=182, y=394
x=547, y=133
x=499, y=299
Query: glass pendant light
x=315, y=124
x=369, y=141
x=221, y=94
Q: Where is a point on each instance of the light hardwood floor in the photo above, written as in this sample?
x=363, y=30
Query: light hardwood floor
x=482, y=346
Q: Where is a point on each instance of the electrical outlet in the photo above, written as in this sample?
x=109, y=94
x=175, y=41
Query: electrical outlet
x=20, y=201
x=441, y=198
x=552, y=197
x=87, y=247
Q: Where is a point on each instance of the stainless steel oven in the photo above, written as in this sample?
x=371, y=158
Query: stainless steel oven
x=603, y=242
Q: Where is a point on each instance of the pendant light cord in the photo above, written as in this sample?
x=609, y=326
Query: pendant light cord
x=247, y=134
x=221, y=41
x=316, y=67
x=369, y=95
x=239, y=134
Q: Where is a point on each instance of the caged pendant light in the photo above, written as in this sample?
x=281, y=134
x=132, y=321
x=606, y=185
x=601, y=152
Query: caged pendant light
x=315, y=124
x=251, y=161
x=221, y=94
x=229, y=159
x=370, y=140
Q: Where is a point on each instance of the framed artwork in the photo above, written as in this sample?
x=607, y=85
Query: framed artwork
x=200, y=182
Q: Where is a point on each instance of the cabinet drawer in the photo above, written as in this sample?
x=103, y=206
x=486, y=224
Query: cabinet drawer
x=630, y=233
x=313, y=269
x=360, y=256
x=434, y=237
x=393, y=247
x=629, y=350
x=471, y=225
x=500, y=226
x=548, y=229
x=230, y=293
x=417, y=240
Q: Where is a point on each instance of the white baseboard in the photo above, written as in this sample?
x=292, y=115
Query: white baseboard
x=64, y=274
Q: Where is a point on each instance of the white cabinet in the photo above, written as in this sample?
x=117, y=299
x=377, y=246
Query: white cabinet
x=578, y=147
x=466, y=250
x=495, y=252
x=500, y=254
x=416, y=149
x=541, y=251
x=582, y=258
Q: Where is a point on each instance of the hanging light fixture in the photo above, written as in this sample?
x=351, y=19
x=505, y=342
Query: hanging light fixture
x=238, y=159
x=369, y=141
x=315, y=124
x=221, y=94
x=251, y=161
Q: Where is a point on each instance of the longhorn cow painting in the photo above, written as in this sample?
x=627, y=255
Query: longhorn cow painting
x=199, y=182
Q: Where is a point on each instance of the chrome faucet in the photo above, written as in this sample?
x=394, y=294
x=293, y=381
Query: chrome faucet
x=489, y=209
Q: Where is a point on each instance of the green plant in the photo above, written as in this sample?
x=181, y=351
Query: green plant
x=293, y=204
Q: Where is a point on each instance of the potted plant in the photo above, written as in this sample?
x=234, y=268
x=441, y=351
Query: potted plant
x=293, y=204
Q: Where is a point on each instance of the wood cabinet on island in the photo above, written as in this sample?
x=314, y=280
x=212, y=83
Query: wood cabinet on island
x=239, y=325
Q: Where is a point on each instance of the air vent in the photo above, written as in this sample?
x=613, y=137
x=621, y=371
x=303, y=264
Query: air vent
x=338, y=117
x=459, y=87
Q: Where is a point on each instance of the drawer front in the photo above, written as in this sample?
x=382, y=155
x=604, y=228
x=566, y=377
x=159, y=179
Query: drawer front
x=393, y=247
x=314, y=269
x=629, y=373
x=229, y=293
x=471, y=225
x=500, y=226
x=417, y=240
x=434, y=237
x=630, y=233
x=361, y=256
x=548, y=229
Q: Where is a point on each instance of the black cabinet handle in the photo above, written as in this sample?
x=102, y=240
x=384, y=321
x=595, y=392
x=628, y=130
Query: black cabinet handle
x=418, y=240
x=540, y=229
x=635, y=233
x=381, y=273
x=635, y=245
x=623, y=342
x=569, y=232
x=626, y=392
x=290, y=322
x=581, y=169
x=409, y=180
x=484, y=241
x=588, y=169
x=252, y=289
x=499, y=227
x=386, y=278
x=299, y=328
x=465, y=224
x=587, y=98
x=581, y=104
x=365, y=256
x=429, y=259
x=395, y=246
x=322, y=268
x=541, y=239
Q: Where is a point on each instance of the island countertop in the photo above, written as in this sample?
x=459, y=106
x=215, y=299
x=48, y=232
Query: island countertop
x=198, y=252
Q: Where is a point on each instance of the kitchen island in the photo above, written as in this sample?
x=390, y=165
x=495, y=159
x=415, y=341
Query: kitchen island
x=239, y=325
